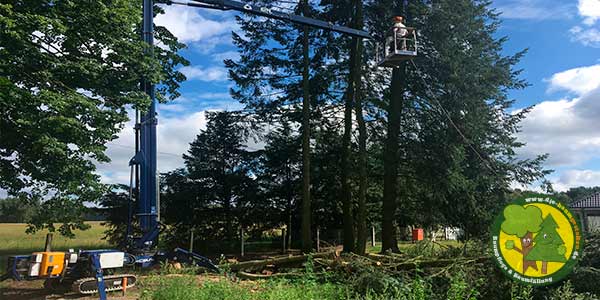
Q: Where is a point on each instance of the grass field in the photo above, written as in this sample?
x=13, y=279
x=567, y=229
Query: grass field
x=14, y=240
x=190, y=288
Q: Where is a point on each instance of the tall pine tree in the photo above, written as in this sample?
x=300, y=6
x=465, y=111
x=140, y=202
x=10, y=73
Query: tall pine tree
x=449, y=154
x=283, y=71
x=280, y=175
x=217, y=192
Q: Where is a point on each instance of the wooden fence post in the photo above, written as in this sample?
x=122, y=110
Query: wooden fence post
x=318, y=240
x=283, y=240
x=373, y=236
x=192, y=240
x=242, y=241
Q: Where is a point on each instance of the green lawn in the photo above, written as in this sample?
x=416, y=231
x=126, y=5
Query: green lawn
x=189, y=288
x=14, y=240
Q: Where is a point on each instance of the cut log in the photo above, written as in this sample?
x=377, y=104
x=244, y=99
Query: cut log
x=394, y=264
x=258, y=265
x=382, y=257
x=252, y=276
x=439, y=263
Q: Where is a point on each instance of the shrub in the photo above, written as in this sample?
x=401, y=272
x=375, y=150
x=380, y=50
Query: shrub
x=460, y=288
x=521, y=292
x=566, y=291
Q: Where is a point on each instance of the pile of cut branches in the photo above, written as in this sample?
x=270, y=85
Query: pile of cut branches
x=290, y=266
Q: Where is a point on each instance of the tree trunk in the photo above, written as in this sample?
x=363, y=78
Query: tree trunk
x=290, y=207
x=306, y=207
x=391, y=161
x=345, y=176
x=289, y=231
x=356, y=73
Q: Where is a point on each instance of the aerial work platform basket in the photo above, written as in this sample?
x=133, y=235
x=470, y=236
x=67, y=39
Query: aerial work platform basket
x=400, y=45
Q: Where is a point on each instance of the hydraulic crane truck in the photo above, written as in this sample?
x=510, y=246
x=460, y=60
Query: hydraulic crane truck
x=99, y=271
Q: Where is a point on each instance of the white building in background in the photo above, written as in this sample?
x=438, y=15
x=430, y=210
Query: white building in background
x=588, y=210
x=452, y=233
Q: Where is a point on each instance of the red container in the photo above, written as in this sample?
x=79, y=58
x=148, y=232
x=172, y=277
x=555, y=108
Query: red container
x=417, y=234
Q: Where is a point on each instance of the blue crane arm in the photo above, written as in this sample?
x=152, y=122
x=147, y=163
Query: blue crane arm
x=274, y=14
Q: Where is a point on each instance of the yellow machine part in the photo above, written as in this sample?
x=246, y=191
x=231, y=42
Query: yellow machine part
x=52, y=263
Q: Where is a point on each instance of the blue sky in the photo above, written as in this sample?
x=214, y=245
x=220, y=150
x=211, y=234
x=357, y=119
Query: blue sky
x=562, y=66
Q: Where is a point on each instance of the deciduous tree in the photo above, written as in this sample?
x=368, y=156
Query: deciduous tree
x=69, y=70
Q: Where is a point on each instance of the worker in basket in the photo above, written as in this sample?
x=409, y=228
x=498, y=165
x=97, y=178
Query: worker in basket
x=399, y=31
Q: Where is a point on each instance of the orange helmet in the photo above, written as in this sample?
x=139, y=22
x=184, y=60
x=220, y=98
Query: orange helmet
x=398, y=19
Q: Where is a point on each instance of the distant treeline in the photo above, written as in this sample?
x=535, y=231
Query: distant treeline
x=15, y=210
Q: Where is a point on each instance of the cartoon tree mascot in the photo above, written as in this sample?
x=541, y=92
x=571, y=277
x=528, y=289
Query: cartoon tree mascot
x=549, y=246
x=522, y=222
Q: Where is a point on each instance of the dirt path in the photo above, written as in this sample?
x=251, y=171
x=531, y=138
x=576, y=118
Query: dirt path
x=34, y=290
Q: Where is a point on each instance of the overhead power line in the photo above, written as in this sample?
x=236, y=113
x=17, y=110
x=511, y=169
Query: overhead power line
x=133, y=148
x=449, y=117
x=173, y=154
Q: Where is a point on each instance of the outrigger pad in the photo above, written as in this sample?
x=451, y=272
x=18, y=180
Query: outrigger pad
x=17, y=267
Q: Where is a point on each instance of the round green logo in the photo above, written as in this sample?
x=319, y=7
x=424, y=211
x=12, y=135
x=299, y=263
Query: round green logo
x=536, y=240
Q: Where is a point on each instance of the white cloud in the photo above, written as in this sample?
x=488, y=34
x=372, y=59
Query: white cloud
x=172, y=107
x=189, y=25
x=567, y=129
x=590, y=10
x=576, y=178
x=234, y=55
x=204, y=74
x=204, y=101
x=209, y=45
x=578, y=80
x=587, y=37
x=534, y=9
x=554, y=127
x=214, y=96
x=173, y=134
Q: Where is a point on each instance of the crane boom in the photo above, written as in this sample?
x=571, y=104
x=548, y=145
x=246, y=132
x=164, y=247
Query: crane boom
x=273, y=14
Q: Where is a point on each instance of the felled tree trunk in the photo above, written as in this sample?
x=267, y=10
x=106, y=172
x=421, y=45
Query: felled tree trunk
x=257, y=265
x=252, y=276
